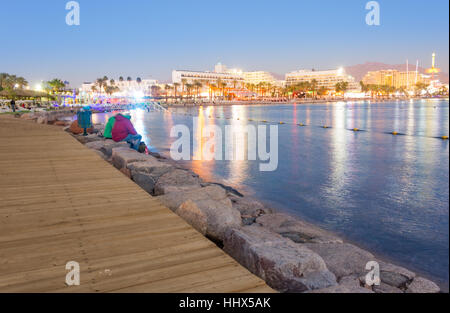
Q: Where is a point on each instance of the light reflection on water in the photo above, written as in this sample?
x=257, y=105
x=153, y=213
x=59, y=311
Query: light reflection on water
x=387, y=193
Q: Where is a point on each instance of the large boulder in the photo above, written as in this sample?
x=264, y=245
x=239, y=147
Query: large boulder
x=151, y=166
x=284, y=265
x=422, y=285
x=96, y=145
x=341, y=289
x=385, y=288
x=295, y=229
x=109, y=145
x=173, y=200
x=210, y=217
x=248, y=207
x=176, y=180
x=145, y=181
x=394, y=275
x=121, y=157
x=343, y=259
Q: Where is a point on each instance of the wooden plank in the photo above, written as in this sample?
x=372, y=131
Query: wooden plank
x=61, y=202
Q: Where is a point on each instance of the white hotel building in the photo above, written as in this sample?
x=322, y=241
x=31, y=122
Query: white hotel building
x=327, y=79
x=126, y=88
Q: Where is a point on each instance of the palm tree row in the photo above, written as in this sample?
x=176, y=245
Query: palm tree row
x=9, y=82
x=386, y=90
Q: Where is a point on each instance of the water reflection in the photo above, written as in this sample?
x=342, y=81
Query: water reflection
x=387, y=193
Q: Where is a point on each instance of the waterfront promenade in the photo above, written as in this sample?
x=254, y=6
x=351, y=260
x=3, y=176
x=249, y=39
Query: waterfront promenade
x=60, y=202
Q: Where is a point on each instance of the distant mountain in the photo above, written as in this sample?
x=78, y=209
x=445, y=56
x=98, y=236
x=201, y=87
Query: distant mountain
x=277, y=76
x=358, y=71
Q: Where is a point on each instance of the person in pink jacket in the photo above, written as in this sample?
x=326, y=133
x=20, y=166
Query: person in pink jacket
x=123, y=130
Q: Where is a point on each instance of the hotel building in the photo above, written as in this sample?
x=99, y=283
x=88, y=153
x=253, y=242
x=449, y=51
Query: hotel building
x=258, y=77
x=327, y=79
x=394, y=78
x=126, y=88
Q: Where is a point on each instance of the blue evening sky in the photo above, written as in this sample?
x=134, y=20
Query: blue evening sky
x=150, y=38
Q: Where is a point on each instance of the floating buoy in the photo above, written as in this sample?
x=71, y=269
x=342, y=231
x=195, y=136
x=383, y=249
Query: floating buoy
x=281, y=123
x=444, y=137
x=356, y=129
x=301, y=124
x=394, y=133
x=325, y=126
x=264, y=121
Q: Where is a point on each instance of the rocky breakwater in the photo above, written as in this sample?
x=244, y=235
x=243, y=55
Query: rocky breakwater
x=289, y=254
x=49, y=117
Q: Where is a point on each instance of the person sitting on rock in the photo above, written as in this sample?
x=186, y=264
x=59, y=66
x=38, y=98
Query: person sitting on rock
x=123, y=130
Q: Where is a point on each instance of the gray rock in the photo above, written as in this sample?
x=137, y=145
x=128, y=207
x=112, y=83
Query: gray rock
x=100, y=154
x=145, y=181
x=341, y=289
x=248, y=206
x=109, y=145
x=352, y=281
x=248, y=220
x=385, y=288
x=121, y=157
x=176, y=180
x=394, y=275
x=150, y=166
x=42, y=120
x=422, y=285
x=175, y=198
x=295, y=229
x=342, y=259
x=95, y=145
x=210, y=217
x=284, y=265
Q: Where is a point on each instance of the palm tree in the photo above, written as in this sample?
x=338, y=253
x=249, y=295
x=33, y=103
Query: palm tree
x=139, y=80
x=183, y=83
x=3, y=77
x=167, y=88
x=313, y=85
x=420, y=87
x=364, y=87
x=112, y=81
x=189, y=88
x=111, y=89
x=175, y=86
x=102, y=83
x=129, y=79
x=221, y=85
x=121, y=79
x=198, y=84
x=212, y=90
x=341, y=87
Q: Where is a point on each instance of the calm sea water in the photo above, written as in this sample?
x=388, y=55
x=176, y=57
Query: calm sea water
x=388, y=194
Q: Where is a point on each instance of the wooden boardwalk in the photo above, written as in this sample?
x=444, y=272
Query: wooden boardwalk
x=60, y=202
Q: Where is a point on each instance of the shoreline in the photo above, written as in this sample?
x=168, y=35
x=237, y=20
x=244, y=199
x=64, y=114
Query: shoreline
x=290, y=102
x=247, y=229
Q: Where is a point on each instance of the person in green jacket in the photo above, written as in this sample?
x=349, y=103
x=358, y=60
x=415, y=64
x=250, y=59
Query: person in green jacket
x=107, y=133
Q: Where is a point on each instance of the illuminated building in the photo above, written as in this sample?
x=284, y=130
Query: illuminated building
x=126, y=88
x=327, y=79
x=257, y=77
x=228, y=76
x=394, y=78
